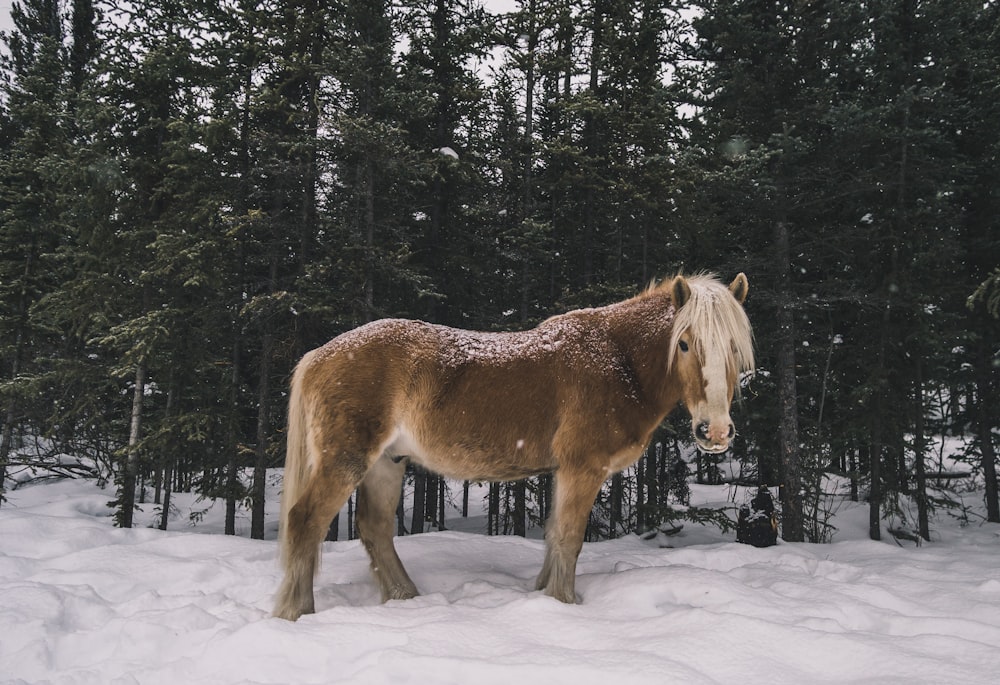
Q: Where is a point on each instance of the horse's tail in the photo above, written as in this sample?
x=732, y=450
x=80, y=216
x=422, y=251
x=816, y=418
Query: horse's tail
x=296, y=453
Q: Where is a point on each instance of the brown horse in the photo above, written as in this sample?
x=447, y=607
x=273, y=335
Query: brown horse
x=579, y=395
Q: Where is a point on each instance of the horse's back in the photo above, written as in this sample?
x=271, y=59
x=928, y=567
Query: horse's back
x=378, y=346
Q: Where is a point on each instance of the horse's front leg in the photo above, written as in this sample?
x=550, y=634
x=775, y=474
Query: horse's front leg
x=575, y=492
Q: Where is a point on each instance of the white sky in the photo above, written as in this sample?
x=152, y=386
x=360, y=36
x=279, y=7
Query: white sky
x=5, y=22
x=493, y=5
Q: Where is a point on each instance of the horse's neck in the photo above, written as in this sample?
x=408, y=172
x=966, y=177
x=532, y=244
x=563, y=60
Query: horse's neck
x=641, y=330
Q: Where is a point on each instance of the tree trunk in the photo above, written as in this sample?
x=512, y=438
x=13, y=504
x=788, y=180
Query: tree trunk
x=168, y=460
x=7, y=433
x=876, y=448
x=168, y=474
x=520, y=508
x=493, y=510
x=640, y=494
x=615, y=502
x=263, y=424
x=792, y=522
x=132, y=453
x=875, y=487
x=985, y=422
x=544, y=496
x=854, y=468
x=653, y=487
x=897, y=229
x=441, y=502
x=234, y=440
x=919, y=447
x=6, y=440
x=10, y=415
x=441, y=185
x=368, y=183
x=419, y=501
x=431, y=500
x=400, y=512
x=527, y=208
x=258, y=487
x=314, y=21
x=593, y=139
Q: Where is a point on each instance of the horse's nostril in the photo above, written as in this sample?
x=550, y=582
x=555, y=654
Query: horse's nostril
x=732, y=431
x=702, y=430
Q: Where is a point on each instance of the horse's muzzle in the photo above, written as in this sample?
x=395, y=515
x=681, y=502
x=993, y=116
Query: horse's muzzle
x=714, y=438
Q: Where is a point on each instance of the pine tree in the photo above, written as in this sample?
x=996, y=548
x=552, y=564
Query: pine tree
x=35, y=141
x=443, y=37
x=121, y=308
x=280, y=220
x=972, y=87
x=840, y=117
x=367, y=255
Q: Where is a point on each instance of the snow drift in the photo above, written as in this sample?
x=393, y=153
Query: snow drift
x=83, y=602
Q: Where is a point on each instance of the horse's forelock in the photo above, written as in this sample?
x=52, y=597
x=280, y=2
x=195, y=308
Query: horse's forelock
x=717, y=320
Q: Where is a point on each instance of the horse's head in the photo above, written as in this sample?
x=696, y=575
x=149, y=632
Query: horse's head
x=711, y=345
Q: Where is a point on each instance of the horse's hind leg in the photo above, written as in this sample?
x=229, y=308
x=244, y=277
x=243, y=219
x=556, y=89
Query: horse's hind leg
x=378, y=497
x=324, y=495
x=575, y=494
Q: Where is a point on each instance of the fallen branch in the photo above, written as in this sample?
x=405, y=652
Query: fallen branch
x=902, y=533
x=945, y=475
x=41, y=472
x=655, y=532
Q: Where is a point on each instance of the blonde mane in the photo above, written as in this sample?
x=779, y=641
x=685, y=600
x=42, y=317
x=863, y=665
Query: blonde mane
x=716, y=320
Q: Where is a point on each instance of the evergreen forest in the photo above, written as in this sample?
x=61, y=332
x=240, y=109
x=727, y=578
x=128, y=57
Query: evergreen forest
x=194, y=193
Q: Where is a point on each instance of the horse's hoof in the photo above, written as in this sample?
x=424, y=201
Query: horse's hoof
x=401, y=592
x=566, y=597
x=287, y=614
x=291, y=612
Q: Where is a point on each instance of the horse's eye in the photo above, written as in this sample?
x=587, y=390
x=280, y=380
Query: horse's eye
x=683, y=346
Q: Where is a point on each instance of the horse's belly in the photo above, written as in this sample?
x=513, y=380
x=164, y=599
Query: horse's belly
x=473, y=457
x=479, y=467
x=404, y=444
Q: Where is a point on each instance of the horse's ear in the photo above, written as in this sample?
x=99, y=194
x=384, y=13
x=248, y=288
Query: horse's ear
x=680, y=291
x=739, y=287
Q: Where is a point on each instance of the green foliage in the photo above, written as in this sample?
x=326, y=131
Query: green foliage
x=988, y=294
x=211, y=189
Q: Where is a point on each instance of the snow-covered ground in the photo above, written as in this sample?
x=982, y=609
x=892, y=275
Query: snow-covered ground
x=83, y=602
